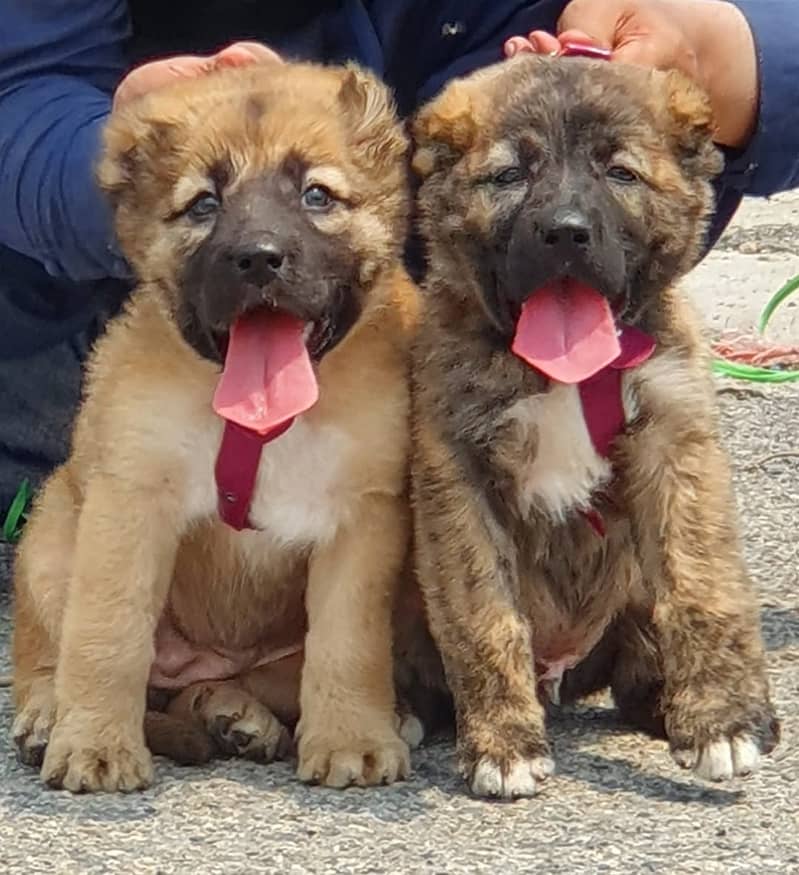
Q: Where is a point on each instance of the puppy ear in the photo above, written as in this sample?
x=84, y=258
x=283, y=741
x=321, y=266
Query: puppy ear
x=130, y=140
x=447, y=127
x=370, y=108
x=692, y=125
x=444, y=129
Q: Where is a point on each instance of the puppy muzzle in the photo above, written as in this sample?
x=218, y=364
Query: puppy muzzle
x=559, y=242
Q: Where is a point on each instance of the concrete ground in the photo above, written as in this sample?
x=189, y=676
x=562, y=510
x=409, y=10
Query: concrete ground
x=617, y=804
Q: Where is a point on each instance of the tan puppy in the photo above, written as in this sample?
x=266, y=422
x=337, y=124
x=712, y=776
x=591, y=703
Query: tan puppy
x=261, y=194
x=560, y=552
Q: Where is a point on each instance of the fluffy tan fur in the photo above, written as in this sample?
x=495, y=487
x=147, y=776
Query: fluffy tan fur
x=126, y=530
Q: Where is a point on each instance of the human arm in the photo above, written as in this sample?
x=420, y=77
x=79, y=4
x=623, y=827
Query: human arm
x=59, y=65
x=770, y=160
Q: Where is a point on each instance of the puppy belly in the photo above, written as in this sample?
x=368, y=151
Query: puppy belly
x=561, y=652
x=179, y=662
x=556, y=659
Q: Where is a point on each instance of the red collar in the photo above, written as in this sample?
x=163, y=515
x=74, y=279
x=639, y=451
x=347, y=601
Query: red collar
x=236, y=469
x=601, y=395
x=602, y=400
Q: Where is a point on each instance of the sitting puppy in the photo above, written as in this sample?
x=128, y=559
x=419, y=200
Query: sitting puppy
x=574, y=516
x=207, y=535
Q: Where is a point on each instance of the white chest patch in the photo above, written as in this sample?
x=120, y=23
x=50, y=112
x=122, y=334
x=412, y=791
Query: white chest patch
x=298, y=495
x=566, y=469
x=300, y=491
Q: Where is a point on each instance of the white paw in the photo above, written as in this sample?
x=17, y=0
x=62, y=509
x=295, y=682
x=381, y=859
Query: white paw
x=523, y=778
x=411, y=731
x=722, y=759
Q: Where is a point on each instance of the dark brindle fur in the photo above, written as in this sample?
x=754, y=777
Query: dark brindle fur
x=661, y=608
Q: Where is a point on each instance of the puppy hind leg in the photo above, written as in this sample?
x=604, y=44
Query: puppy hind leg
x=34, y=689
x=276, y=685
x=179, y=740
x=424, y=703
x=35, y=656
x=637, y=683
x=234, y=720
x=41, y=578
x=593, y=674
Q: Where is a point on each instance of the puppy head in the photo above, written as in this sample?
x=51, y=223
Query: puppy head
x=541, y=169
x=280, y=186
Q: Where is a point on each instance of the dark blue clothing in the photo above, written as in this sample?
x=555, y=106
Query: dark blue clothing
x=60, y=62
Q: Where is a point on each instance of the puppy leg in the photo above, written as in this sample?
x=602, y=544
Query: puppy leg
x=424, y=704
x=237, y=722
x=718, y=716
x=179, y=740
x=125, y=549
x=34, y=682
x=467, y=571
x=347, y=730
x=594, y=673
x=277, y=686
x=41, y=577
x=637, y=682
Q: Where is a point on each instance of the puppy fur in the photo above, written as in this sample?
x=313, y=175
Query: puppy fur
x=125, y=536
x=516, y=581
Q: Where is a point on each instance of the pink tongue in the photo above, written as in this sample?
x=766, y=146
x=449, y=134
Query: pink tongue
x=268, y=378
x=566, y=331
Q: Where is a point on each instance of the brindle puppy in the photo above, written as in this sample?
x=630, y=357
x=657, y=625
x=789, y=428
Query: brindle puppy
x=278, y=191
x=547, y=171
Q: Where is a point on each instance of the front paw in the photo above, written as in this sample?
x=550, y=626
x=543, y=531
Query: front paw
x=84, y=757
x=514, y=778
x=722, y=759
x=349, y=755
x=508, y=764
x=721, y=748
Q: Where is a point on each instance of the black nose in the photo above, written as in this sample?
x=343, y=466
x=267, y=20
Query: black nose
x=566, y=226
x=259, y=264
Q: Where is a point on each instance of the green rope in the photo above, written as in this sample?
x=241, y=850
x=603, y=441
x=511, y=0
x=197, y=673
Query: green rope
x=12, y=525
x=752, y=372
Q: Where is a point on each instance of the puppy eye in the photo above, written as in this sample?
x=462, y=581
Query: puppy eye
x=317, y=197
x=508, y=176
x=203, y=206
x=621, y=174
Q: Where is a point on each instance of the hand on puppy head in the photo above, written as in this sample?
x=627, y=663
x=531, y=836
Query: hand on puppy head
x=704, y=40
x=155, y=74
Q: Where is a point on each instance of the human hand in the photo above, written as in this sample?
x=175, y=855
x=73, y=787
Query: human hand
x=155, y=74
x=705, y=39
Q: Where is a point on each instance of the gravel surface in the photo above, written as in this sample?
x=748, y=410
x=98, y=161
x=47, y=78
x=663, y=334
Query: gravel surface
x=617, y=804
